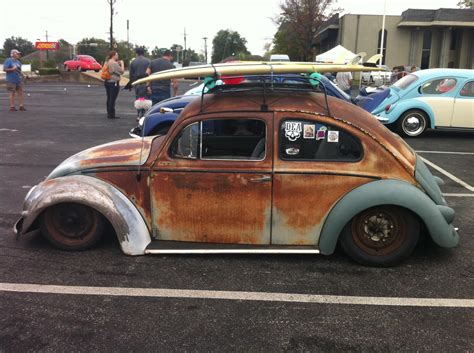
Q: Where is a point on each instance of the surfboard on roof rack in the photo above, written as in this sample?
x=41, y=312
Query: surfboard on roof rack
x=256, y=68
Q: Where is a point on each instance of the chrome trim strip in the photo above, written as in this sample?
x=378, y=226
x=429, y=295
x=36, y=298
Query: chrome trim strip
x=230, y=251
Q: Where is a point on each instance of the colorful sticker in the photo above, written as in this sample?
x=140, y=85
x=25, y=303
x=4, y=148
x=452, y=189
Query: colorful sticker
x=321, y=134
x=309, y=131
x=333, y=136
x=293, y=130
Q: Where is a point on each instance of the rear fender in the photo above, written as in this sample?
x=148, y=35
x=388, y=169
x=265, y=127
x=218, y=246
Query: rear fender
x=437, y=218
x=131, y=229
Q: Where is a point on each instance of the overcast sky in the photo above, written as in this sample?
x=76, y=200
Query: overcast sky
x=162, y=23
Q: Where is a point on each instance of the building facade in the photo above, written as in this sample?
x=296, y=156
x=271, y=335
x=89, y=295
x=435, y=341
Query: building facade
x=424, y=38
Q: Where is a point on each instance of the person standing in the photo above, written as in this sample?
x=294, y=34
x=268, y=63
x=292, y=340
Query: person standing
x=344, y=81
x=112, y=84
x=14, y=76
x=160, y=90
x=138, y=70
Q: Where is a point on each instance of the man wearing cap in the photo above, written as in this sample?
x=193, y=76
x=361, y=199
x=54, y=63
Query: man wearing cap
x=12, y=66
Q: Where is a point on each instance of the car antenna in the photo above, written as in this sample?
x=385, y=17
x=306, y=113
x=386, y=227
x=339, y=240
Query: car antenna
x=139, y=172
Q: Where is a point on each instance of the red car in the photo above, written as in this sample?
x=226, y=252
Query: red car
x=82, y=63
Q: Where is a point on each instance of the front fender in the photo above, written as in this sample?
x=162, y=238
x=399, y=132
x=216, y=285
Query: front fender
x=402, y=106
x=437, y=218
x=126, y=220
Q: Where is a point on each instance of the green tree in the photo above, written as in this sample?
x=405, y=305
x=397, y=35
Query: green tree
x=466, y=4
x=23, y=45
x=228, y=43
x=298, y=24
x=157, y=52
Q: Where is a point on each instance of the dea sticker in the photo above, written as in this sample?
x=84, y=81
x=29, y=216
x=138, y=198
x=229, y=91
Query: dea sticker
x=333, y=136
x=293, y=130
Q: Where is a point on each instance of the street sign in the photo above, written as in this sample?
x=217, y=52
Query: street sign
x=47, y=45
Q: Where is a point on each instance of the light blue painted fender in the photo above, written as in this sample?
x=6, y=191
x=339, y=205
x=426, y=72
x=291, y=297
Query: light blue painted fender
x=131, y=229
x=402, y=106
x=389, y=192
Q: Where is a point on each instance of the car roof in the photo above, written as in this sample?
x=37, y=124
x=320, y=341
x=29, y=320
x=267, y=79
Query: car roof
x=423, y=74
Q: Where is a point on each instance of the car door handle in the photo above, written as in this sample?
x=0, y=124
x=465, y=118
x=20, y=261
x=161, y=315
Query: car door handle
x=261, y=179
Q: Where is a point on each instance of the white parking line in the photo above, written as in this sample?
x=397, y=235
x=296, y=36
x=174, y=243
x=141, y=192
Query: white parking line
x=237, y=296
x=448, y=174
x=445, y=152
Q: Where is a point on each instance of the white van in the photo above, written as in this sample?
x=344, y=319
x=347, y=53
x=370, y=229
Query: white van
x=279, y=57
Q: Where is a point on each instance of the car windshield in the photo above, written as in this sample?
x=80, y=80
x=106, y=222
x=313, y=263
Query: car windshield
x=404, y=82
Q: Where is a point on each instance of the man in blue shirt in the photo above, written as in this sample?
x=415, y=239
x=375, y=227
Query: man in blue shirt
x=12, y=66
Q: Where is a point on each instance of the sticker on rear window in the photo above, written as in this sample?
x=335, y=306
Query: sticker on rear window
x=321, y=134
x=293, y=130
x=333, y=136
x=309, y=131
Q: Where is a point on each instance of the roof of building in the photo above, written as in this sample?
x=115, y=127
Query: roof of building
x=437, y=17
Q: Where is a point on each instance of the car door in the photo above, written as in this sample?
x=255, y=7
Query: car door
x=316, y=163
x=463, y=112
x=439, y=95
x=212, y=181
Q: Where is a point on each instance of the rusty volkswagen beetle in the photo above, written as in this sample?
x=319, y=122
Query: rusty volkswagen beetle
x=246, y=172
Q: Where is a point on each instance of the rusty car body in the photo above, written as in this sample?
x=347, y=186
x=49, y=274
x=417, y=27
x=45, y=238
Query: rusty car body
x=309, y=171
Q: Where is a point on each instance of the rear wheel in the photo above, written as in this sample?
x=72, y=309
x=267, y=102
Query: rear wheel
x=412, y=123
x=72, y=226
x=381, y=236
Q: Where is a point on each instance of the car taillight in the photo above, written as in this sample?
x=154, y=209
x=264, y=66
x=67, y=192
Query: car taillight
x=387, y=107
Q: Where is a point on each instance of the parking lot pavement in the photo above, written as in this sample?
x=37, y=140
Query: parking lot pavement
x=294, y=303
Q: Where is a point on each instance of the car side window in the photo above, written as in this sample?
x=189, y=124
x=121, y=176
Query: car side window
x=221, y=139
x=467, y=90
x=303, y=140
x=439, y=86
x=231, y=139
x=186, y=144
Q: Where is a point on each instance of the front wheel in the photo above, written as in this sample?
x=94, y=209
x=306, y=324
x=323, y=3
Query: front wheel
x=381, y=236
x=412, y=123
x=72, y=226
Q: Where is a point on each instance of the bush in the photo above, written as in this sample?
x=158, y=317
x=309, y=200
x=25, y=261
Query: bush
x=35, y=65
x=49, y=63
x=48, y=71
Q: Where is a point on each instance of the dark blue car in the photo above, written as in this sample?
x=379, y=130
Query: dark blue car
x=161, y=116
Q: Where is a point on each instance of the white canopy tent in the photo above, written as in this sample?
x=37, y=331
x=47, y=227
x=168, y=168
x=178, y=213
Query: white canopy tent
x=337, y=55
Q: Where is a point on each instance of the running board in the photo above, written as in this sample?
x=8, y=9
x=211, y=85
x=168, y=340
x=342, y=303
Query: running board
x=230, y=251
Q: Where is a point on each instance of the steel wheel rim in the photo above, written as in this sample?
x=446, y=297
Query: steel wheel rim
x=378, y=232
x=413, y=124
x=72, y=224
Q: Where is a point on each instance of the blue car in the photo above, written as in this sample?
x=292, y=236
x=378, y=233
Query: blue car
x=434, y=98
x=161, y=116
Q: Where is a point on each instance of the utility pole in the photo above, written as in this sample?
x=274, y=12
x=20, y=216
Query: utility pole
x=128, y=37
x=111, y=3
x=184, y=54
x=205, y=47
x=47, y=51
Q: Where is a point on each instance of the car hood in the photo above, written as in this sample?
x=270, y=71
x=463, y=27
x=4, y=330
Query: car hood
x=118, y=153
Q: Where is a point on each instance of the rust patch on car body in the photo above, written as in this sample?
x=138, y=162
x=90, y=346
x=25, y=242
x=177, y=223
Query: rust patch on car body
x=211, y=207
x=301, y=203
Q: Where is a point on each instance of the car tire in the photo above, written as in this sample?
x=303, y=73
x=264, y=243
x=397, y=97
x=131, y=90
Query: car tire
x=412, y=123
x=72, y=226
x=79, y=68
x=67, y=68
x=381, y=236
x=96, y=70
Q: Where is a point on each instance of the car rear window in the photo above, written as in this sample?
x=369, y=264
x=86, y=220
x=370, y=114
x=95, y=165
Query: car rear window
x=313, y=141
x=439, y=86
x=406, y=81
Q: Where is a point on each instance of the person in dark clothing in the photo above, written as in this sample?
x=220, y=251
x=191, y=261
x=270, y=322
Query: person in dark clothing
x=112, y=84
x=138, y=70
x=160, y=90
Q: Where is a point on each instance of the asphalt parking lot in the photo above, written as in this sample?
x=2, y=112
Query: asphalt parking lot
x=102, y=300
